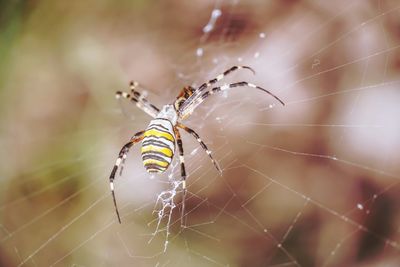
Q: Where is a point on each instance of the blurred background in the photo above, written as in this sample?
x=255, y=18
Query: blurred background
x=313, y=183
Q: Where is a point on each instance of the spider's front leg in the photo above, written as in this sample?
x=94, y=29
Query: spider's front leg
x=189, y=107
x=222, y=75
x=233, y=85
x=121, y=158
x=191, y=103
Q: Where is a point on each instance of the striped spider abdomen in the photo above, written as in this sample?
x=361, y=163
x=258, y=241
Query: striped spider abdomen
x=158, y=145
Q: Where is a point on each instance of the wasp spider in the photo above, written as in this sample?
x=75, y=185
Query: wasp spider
x=162, y=134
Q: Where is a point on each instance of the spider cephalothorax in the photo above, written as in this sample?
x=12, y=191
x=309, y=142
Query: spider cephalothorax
x=162, y=134
x=185, y=93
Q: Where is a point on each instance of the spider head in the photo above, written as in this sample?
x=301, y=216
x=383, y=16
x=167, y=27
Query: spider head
x=178, y=103
x=183, y=96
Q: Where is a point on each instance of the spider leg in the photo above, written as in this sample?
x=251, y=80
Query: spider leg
x=183, y=171
x=188, y=109
x=139, y=99
x=222, y=75
x=240, y=84
x=121, y=168
x=121, y=157
x=202, y=144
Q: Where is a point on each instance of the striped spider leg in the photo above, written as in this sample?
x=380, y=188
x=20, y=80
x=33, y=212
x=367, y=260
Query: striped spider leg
x=222, y=75
x=232, y=85
x=198, y=91
x=121, y=157
x=202, y=144
x=183, y=170
x=198, y=97
x=138, y=98
x=182, y=160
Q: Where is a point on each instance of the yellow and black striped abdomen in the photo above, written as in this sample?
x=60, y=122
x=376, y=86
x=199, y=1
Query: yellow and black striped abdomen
x=158, y=145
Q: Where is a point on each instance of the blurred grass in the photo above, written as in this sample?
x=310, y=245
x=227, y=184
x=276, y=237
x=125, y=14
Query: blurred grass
x=10, y=29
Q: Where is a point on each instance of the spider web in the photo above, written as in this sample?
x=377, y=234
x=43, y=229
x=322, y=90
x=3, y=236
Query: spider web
x=313, y=183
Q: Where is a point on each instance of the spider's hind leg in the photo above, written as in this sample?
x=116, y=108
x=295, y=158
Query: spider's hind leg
x=202, y=144
x=183, y=171
x=119, y=162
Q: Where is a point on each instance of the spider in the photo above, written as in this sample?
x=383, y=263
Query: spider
x=162, y=134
